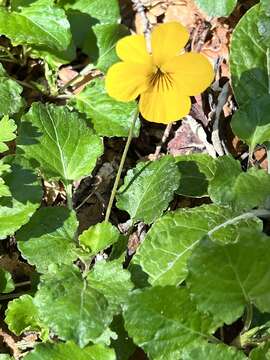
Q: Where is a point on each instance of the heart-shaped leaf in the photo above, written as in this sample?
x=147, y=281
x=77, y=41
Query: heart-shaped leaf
x=217, y=8
x=248, y=59
x=60, y=141
x=64, y=291
x=42, y=240
x=233, y=269
x=163, y=321
x=148, y=189
x=168, y=245
x=40, y=23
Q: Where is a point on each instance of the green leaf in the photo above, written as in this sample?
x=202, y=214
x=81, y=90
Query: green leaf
x=5, y=357
x=264, y=24
x=7, y=129
x=248, y=60
x=80, y=24
x=148, y=189
x=196, y=170
x=163, y=321
x=63, y=291
x=110, y=279
x=17, y=4
x=217, y=8
x=70, y=350
x=237, y=189
x=265, y=6
x=22, y=315
x=6, y=282
x=10, y=96
x=49, y=238
x=4, y=191
x=107, y=12
x=167, y=246
x=232, y=269
x=40, y=23
x=101, y=42
x=213, y=352
x=54, y=58
x=60, y=141
x=109, y=117
x=261, y=352
x=4, y=168
x=26, y=194
x=251, y=123
x=99, y=237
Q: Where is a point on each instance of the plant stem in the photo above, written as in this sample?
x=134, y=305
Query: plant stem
x=12, y=295
x=69, y=196
x=214, y=340
x=9, y=60
x=222, y=336
x=23, y=283
x=249, y=316
x=23, y=83
x=121, y=165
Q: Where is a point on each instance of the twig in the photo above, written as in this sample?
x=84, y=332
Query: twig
x=163, y=140
x=11, y=343
x=200, y=36
x=198, y=130
x=85, y=71
x=140, y=9
x=90, y=195
x=217, y=142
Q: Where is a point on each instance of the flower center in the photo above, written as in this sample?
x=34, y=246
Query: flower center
x=160, y=80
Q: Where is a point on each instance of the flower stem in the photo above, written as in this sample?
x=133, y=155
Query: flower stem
x=121, y=165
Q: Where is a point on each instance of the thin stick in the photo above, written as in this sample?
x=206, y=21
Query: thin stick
x=85, y=200
x=198, y=130
x=119, y=172
x=85, y=71
x=222, y=99
x=164, y=139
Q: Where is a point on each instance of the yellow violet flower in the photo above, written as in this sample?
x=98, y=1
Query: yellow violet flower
x=164, y=79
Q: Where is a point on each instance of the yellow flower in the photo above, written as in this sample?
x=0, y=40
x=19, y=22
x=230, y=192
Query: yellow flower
x=164, y=79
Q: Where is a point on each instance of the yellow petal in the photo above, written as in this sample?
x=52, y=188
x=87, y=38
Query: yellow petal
x=192, y=72
x=164, y=106
x=167, y=41
x=125, y=81
x=132, y=48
